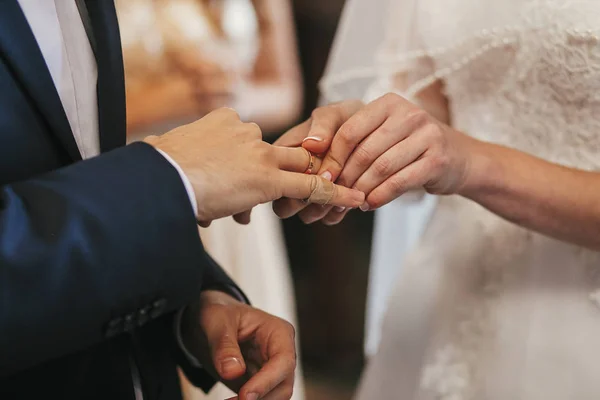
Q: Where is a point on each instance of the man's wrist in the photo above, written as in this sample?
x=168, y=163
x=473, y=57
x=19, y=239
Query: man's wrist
x=186, y=182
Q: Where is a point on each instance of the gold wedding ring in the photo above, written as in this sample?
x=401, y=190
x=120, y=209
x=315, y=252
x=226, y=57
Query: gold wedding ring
x=311, y=163
x=322, y=193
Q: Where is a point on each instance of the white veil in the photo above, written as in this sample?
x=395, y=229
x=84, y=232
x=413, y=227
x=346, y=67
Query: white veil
x=362, y=65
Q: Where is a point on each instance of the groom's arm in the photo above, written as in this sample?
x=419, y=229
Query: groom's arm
x=93, y=250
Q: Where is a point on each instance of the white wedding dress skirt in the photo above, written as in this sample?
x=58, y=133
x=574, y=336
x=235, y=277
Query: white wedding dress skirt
x=255, y=257
x=483, y=309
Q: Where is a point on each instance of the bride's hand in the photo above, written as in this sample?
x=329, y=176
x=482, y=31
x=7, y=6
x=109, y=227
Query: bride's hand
x=315, y=135
x=392, y=146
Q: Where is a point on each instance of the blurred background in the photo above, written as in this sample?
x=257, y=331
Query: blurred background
x=264, y=58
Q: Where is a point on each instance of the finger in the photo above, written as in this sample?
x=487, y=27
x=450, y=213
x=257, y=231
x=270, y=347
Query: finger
x=294, y=136
x=284, y=391
x=286, y=208
x=412, y=177
x=314, y=213
x=357, y=128
x=325, y=122
x=320, y=190
x=390, y=133
x=226, y=354
x=243, y=218
x=204, y=224
x=335, y=216
x=296, y=159
x=275, y=371
x=390, y=162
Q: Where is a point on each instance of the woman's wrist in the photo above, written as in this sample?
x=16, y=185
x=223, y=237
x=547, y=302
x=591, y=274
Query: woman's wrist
x=483, y=169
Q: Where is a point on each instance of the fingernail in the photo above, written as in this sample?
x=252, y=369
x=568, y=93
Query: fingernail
x=340, y=209
x=364, y=207
x=315, y=138
x=231, y=364
x=326, y=175
x=252, y=396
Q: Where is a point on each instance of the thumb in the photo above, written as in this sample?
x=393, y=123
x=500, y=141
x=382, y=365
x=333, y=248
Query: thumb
x=226, y=354
x=325, y=123
x=323, y=126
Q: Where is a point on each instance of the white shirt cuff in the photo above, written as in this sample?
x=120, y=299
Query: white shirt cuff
x=186, y=182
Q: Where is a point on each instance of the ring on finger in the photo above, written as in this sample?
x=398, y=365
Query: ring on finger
x=311, y=163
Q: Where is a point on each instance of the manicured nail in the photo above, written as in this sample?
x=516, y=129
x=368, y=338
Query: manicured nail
x=326, y=175
x=315, y=138
x=252, y=396
x=231, y=364
x=340, y=209
x=365, y=206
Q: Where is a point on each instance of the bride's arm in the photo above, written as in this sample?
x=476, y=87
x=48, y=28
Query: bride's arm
x=552, y=199
x=392, y=146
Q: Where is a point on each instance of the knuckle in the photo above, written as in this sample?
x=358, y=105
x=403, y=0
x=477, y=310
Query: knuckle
x=225, y=346
x=417, y=117
x=290, y=329
x=391, y=98
x=383, y=166
x=346, y=134
x=397, y=185
x=227, y=112
x=363, y=156
x=433, y=133
x=439, y=161
x=291, y=362
x=375, y=201
x=253, y=129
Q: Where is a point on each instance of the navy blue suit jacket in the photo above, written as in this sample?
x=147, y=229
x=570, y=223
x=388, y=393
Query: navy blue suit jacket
x=96, y=256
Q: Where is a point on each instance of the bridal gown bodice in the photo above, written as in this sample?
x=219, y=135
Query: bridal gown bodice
x=484, y=309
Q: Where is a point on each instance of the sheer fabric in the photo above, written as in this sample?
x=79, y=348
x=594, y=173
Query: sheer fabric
x=369, y=34
x=484, y=309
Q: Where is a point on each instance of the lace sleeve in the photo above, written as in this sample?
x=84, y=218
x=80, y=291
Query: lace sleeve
x=377, y=50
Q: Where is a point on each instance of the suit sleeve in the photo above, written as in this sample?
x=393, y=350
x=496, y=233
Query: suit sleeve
x=214, y=279
x=91, y=250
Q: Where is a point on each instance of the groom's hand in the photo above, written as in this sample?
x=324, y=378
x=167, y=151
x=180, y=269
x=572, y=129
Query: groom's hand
x=231, y=169
x=251, y=351
x=316, y=135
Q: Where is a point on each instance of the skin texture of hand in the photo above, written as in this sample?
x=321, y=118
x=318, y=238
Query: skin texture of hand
x=252, y=352
x=392, y=146
x=386, y=148
x=316, y=135
x=232, y=170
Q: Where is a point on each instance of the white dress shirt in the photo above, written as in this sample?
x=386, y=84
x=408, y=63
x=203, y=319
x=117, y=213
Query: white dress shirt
x=63, y=41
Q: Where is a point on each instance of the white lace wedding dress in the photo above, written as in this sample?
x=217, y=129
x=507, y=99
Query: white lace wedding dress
x=483, y=309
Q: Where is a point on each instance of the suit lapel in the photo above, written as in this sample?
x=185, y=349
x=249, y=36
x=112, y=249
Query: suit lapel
x=111, y=80
x=22, y=54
